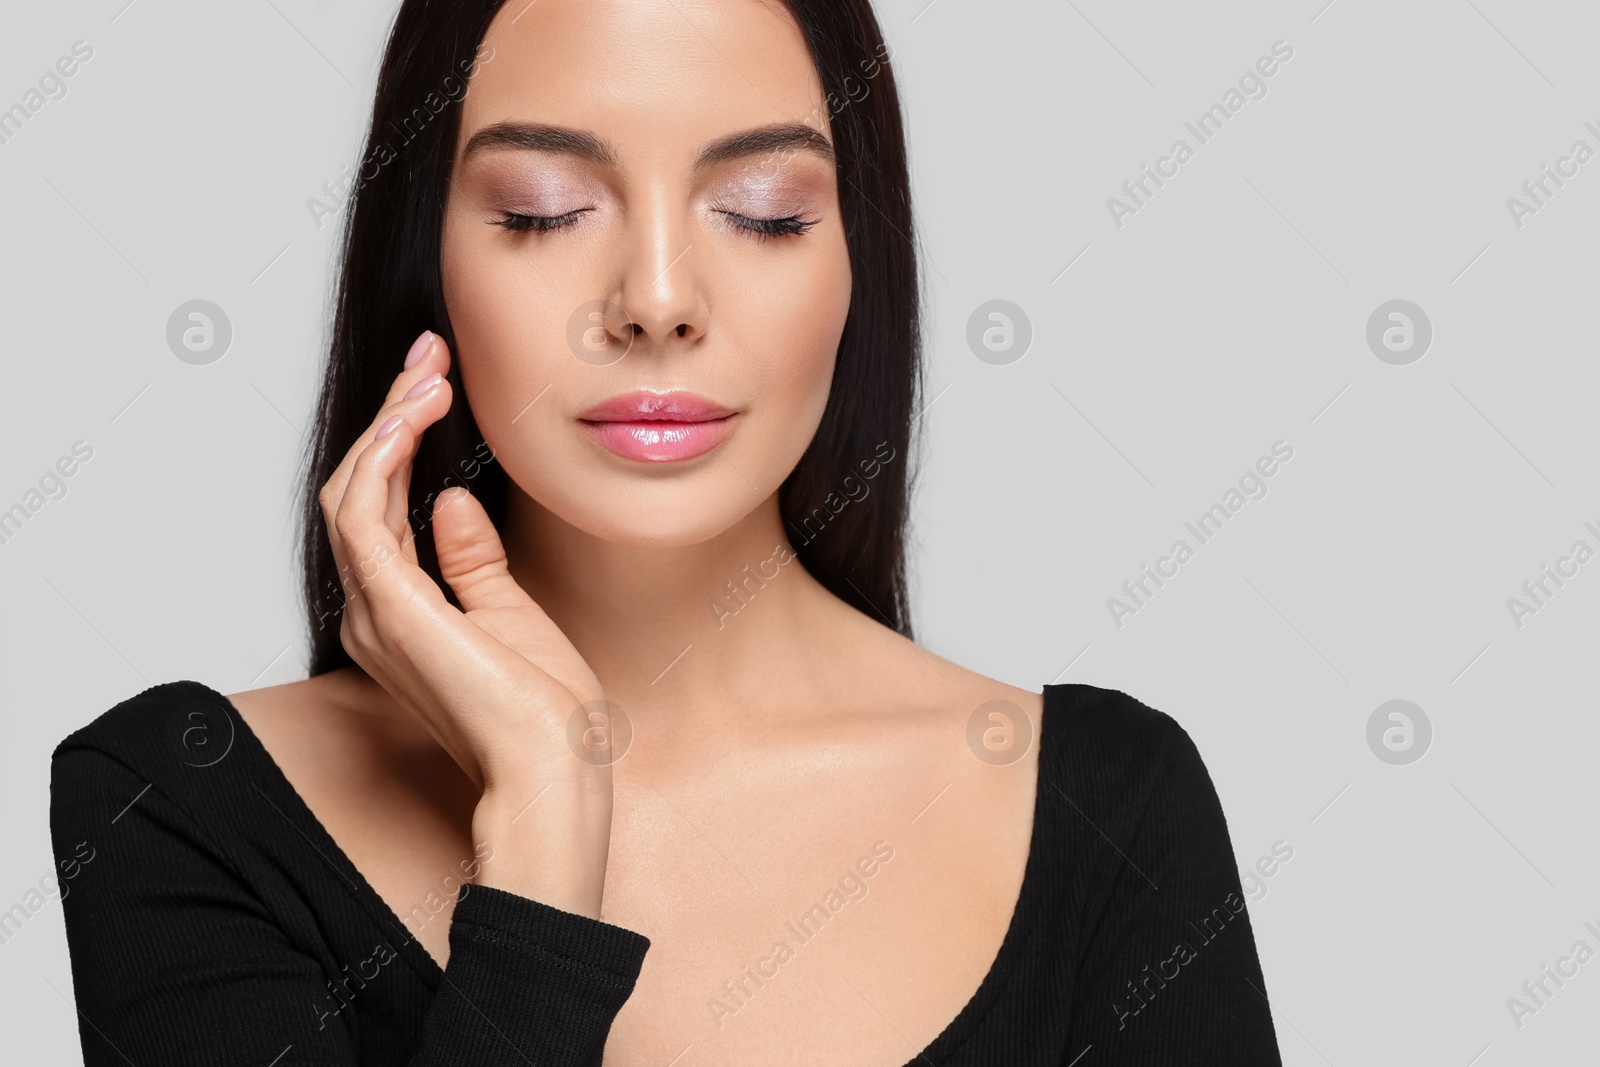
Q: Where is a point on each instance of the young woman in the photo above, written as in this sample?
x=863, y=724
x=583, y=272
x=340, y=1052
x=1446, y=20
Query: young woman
x=616, y=744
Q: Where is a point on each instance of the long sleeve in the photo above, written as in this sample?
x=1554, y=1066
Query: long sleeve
x=1168, y=971
x=178, y=960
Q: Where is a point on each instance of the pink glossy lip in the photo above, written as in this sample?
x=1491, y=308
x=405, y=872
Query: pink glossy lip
x=659, y=427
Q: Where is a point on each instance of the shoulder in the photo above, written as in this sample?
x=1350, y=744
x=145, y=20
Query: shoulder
x=174, y=755
x=1133, y=798
x=187, y=724
x=174, y=773
x=182, y=741
x=301, y=722
x=1113, y=725
x=150, y=776
x=163, y=727
x=910, y=679
x=199, y=747
x=1112, y=754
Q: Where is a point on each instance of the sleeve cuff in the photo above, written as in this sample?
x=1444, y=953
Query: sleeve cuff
x=495, y=914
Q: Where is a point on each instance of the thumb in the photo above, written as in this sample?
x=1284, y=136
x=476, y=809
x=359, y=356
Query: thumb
x=471, y=556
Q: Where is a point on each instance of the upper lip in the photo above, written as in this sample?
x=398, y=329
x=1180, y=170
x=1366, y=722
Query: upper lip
x=643, y=405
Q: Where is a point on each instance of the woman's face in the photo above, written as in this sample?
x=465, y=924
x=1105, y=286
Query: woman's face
x=644, y=202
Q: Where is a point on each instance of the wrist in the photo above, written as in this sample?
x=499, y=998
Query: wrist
x=546, y=840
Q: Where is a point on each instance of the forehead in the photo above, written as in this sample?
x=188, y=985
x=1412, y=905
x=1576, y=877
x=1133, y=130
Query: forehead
x=655, y=78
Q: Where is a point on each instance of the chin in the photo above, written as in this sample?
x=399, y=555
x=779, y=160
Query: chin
x=642, y=520
x=642, y=504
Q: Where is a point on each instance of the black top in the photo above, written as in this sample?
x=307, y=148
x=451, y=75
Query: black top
x=216, y=921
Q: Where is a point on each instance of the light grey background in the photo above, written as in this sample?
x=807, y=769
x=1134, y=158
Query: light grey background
x=1168, y=354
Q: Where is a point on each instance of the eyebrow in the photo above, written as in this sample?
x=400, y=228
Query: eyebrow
x=581, y=144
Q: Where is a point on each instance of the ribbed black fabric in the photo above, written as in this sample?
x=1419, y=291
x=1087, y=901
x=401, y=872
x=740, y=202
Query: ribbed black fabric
x=219, y=923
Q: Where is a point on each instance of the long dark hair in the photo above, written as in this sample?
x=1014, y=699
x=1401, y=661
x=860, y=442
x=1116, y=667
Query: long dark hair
x=390, y=290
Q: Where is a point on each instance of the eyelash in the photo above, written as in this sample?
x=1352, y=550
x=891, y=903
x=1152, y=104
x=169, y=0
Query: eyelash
x=762, y=229
x=538, y=223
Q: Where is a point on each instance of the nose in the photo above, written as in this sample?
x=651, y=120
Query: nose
x=660, y=287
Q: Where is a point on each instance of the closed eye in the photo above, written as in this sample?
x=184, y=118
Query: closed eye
x=539, y=223
x=788, y=226
x=762, y=229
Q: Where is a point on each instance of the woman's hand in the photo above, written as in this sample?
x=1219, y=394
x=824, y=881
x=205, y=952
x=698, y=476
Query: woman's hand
x=496, y=682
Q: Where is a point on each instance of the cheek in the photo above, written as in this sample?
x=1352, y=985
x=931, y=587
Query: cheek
x=509, y=331
x=794, y=323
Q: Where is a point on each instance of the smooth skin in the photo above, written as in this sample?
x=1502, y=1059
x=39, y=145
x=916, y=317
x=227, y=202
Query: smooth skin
x=771, y=749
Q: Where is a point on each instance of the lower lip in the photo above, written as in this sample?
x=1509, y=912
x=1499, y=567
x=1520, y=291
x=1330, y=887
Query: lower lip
x=661, y=441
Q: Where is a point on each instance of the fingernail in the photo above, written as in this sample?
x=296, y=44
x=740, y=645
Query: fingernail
x=387, y=428
x=419, y=346
x=422, y=386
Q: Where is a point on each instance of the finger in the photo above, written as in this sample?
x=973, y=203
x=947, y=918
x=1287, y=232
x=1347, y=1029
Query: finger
x=400, y=490
x=341, y=559
x=424, y=407
x=398, y=512
x=472, y=557
x=387, y=577
x=430, y=399
x=432, y=357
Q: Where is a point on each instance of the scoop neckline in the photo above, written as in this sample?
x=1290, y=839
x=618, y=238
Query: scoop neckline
x=310, y=826
x=948, y=1040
